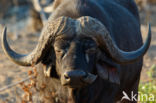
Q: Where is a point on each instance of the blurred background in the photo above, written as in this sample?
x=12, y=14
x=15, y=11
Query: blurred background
x=24, y=26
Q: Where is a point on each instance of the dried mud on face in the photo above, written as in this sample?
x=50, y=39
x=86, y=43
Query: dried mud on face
x=23, y=39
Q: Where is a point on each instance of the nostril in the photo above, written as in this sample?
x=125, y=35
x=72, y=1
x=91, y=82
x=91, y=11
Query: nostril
x=66, y=76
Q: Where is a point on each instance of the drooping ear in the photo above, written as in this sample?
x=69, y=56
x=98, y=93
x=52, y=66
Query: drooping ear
x=108, y=72
x=49, y=63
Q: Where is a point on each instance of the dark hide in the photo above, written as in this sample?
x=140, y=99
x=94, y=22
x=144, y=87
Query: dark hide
x=121, y=19
x=51, y=91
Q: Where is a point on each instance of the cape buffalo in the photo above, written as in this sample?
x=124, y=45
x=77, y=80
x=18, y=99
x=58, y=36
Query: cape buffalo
x=91, y=52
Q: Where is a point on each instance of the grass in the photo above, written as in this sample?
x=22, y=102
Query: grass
x=147, y=91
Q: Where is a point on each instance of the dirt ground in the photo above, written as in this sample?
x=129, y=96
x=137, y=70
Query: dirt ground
x=23, y=39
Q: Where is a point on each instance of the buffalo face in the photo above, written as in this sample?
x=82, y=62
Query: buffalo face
x=75, y=60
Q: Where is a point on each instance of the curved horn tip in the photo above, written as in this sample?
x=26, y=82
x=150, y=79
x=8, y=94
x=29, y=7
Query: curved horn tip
x=149, y=28
x=13, y=56
x=4, y=30
x=3, y=33
x=149, y=36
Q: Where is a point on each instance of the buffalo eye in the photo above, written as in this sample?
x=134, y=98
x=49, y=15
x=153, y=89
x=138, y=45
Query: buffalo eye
x=61, y=46
x=90, y=45
x=59, y=51
x=91, y=50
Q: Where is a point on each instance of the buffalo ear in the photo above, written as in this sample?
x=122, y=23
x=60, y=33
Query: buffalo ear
x=107, y=72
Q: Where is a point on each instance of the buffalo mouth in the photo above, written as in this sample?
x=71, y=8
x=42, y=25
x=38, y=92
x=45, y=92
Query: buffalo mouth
x=77, y=79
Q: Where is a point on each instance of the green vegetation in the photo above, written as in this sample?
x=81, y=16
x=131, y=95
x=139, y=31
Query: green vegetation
x=148, y=89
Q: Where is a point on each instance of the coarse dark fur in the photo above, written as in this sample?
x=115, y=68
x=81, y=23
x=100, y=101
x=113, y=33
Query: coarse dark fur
x=122, y=20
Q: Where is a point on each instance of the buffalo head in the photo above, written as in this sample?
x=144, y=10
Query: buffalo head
x=76, y=46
